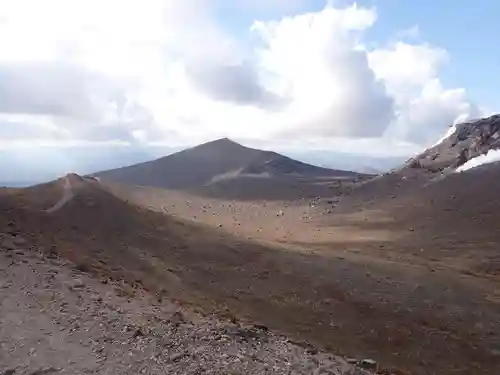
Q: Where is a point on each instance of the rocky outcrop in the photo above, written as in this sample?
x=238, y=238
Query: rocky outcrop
x=468, y=140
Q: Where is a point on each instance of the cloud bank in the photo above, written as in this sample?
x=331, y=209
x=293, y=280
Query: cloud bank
x=139, y=72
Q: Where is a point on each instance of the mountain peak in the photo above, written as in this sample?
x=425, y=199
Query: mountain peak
x=224, y=145
x=223, y=141
x=200, y=165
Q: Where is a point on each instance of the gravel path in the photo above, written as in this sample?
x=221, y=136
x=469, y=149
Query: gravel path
x=57, y=320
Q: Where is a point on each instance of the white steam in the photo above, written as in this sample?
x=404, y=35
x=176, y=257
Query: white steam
x=490, y=157
x=449, y=133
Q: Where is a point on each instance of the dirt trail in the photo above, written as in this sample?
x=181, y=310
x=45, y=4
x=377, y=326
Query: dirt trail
x=67, y=196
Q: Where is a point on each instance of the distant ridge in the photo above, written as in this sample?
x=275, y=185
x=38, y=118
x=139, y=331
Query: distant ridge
x=219, y=159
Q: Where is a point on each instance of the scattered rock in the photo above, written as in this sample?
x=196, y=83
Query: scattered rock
x=8, y=244
x=312, y=350
x=368, y=364
x=88, y=327
x=138, y=333
x=46, y=371
x=19, y=241
x=178, y=356
x=82, y=267
x=261, y=327
x=246, y=334
x=76, y=284
x=177, y=318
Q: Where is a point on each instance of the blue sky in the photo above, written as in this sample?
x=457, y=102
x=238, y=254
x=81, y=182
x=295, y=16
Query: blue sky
x=467, y=29
x=376, y=77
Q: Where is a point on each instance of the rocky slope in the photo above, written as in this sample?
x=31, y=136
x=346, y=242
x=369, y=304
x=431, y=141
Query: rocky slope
x=58, y=320
x=462, y=143
x=366, y=285
x=465, y=141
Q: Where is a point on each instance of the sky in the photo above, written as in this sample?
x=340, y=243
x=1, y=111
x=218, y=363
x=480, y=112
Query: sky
x=382, y=78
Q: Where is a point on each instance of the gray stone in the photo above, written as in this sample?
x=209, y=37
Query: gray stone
x=368, y=364
x=76, y=284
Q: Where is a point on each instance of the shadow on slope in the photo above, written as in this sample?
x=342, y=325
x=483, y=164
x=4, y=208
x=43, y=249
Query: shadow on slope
x=353, y=308
x=459, y=216
x=277, y=188
x=452, y=220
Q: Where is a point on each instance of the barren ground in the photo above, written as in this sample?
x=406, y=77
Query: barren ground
x=58, y=320
x=363, y=283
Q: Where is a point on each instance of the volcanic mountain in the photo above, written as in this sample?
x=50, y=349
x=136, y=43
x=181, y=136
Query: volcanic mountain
x=213, y=162
x=462, y=143
x=465, y=144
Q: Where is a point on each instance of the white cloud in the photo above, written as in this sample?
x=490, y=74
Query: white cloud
x=491, y=156
x=265, y=7
x=53, y=88
x=314, y=61
x=49, y=143
x=424, y=108
x=405, y=67
x=410, y=33
x=424, y=118
x=165, y=71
